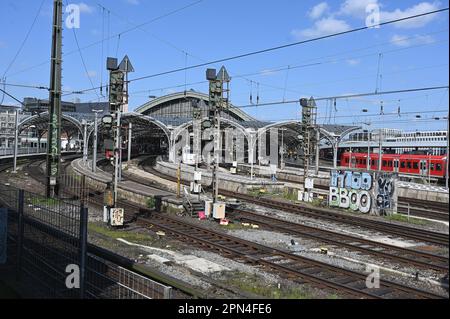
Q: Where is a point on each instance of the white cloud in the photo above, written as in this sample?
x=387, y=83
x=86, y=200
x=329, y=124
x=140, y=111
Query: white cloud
x=318, y=10
x=406, y=41
x=414, y=10
x=322, y=27
x=356, y=8
x=85, y=8
x=353, y=62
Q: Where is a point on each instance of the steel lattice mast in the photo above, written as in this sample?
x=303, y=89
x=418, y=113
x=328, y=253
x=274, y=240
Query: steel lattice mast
x=54, y=130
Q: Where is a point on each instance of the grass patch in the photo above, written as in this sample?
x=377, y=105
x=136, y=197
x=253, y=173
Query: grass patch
x=235, y=226
x=150, y=203
x=254, y=285
x=404, y=218
x=44, y=201
x=292, y=196
x=129, y=236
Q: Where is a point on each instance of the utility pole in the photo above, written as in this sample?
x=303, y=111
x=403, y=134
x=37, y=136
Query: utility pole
x=446, y=162
x=85, y=141
x=369, y=134
x=118, y=97
x=94, y=155
x=309, y=108
x=218, y=100
x=116, y=83
x=130, y=131
x=54, y=131
x=380, y=149
x=16, y=140
x=317, y=151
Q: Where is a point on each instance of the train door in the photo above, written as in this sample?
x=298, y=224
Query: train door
x=353, y=161
x=396, y=165
x=423, y=168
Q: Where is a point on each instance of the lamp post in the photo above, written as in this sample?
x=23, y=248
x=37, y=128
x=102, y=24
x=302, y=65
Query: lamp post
x=446, y=161
x=380, y=149
x=85, y=146
x=130, y=127
x=94, y=154
x=369, y=139
x=282, y=148
x=16, y=139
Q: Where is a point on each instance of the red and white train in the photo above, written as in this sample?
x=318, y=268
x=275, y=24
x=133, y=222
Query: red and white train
x=408, y=164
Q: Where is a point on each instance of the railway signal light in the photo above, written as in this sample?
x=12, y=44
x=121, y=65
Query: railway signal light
x=116, y=91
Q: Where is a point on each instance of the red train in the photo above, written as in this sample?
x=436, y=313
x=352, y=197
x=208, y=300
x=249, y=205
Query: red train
x=422, y=165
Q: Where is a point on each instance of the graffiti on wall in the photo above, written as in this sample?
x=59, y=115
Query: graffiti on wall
x=351, y=190
x=363, y=192
x=386, y=194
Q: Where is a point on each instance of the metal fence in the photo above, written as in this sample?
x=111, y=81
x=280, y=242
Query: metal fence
x=9, y=151
x=46, y=237
x=77, y=188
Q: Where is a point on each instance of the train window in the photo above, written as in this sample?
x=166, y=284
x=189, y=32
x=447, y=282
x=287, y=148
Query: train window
x=384, y=163
x=415, y=165
x=403, y=165
x=432, y=166
x=438, y=167
x=409, y=165
x=364, y=162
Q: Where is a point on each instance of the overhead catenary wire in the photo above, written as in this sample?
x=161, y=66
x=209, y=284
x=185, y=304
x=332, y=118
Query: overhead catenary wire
x=304, y=65
x=3, y=78
x=83, y=61
x=271, y=49
x=109, y=37
x=337, y=97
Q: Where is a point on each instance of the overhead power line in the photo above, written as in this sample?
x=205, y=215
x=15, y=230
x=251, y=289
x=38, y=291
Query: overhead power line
x=109, y=37
x=11, y=96
x=244, y=55
x=339, y=97
x=24, y=40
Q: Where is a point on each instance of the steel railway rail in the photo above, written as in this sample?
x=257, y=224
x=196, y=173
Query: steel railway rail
x=34, y=169
x=296, y=268
x=393, y=253
x=396, y=254
x=333, y=216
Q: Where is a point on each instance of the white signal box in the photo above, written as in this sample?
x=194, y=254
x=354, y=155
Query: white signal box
x=219, y=210
x=196, y=188
x=117, y=215
x=208, y=207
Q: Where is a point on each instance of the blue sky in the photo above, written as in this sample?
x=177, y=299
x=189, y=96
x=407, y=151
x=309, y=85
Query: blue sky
x=413, y=54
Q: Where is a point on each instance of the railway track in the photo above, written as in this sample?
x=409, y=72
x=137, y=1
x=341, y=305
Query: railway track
x=296, y=268
x=323, y=214
x=369, y=247
x=393, y=253
x=34, y=170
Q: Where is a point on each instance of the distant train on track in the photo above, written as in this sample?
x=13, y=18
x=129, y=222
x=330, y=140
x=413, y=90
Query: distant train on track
x=411, y=164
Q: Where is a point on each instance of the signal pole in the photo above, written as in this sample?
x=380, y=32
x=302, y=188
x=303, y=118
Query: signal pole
x=308, y=132
x=54, y=130
x=446, y=162
x=218, y=100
